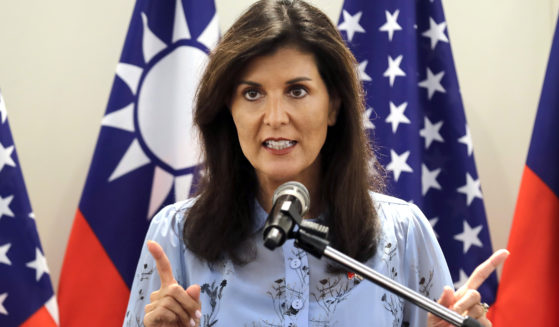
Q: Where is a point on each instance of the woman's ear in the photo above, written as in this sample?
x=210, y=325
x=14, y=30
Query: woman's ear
x=334, y=110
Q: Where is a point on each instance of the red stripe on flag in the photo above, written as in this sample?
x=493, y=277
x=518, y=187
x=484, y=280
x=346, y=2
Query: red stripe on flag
x=91, y=290
x=529, y=285
x=41, y=318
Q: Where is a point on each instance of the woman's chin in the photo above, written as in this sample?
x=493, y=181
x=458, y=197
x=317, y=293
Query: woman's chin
x=281, y=176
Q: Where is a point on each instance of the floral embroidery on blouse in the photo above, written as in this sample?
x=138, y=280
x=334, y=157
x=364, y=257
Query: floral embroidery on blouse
x=137, y=317
x=391, y=302
x=331, y=292
x=277, y=292
x=426, y=283
x=214, y=292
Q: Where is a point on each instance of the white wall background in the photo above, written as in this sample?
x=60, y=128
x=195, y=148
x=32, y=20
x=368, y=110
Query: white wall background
x=57, y=61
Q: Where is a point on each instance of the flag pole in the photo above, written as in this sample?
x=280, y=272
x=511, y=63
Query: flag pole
x=312, y=238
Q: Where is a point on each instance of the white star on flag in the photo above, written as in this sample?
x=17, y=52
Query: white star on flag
x=429, y=179
x=462, y=280
x=412, y=68
x=394, y=69
x=39, y=264
x=391, y=24
x=4, y=254
x=469, y=236
x=397, y=115
x=351, y=24
x=398, y=164
x=6, y=156
x=433, y=83
x=431, y=132
x=366, y=120
x=435, y=32
x=363, y=76
x=5, y=206
x=467, y=139
x=18, y=240
x=472, y=189
x=3, y=310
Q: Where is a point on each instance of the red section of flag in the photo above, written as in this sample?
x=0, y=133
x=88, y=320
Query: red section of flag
x=79, y=296
x=40, y=318
x=529, y=285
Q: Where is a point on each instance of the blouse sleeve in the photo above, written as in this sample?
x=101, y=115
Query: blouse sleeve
x=166, y=229
x=426, y=265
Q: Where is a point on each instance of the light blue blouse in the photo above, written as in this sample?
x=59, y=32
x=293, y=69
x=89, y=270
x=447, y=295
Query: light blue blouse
x=289, y=288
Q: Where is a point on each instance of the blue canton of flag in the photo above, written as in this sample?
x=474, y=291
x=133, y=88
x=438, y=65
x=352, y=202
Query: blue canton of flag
x=146, y=155
x=26, y=294
x=416, y=118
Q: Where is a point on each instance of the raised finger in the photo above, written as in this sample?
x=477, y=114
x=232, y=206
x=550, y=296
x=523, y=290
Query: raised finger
x=162, y=262
x=482, y=272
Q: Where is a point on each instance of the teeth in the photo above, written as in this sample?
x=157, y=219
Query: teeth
x=279, y=145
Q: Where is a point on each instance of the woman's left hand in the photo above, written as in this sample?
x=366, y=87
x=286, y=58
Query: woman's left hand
x=467, y=300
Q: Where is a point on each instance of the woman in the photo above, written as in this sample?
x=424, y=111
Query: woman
x=280, y=100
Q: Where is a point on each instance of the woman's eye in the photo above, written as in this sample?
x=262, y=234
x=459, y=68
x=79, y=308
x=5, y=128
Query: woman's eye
x=252, y=94
x=298, y=92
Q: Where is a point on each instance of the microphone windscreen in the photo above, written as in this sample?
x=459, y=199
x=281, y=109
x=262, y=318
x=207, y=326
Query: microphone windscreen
x=296, y=189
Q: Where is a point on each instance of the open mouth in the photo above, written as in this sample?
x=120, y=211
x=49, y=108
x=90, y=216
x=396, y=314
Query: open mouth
x=279, y=144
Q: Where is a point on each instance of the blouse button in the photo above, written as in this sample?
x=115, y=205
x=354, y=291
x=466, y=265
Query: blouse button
x=295, y=263
x=297, y=304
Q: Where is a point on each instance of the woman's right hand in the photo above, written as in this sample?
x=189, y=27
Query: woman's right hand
x=171, y=305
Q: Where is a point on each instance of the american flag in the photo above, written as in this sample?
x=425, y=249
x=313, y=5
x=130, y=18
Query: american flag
x=26, y=294
x=416, y=119
x=146, y=156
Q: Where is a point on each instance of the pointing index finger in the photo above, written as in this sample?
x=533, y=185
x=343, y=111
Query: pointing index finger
x=162, y=262
x=482, y=272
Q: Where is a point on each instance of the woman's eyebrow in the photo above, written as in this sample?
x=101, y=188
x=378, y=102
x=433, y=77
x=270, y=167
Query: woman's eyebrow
x=291, y=81
x=298, y=79
x=249, y=83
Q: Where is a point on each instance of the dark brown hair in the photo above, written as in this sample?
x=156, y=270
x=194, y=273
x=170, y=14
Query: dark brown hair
x=221, y=219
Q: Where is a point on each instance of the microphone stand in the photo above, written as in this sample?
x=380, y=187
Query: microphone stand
x=311, y=237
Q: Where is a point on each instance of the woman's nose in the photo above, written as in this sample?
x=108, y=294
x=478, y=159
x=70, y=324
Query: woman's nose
x=275, y=114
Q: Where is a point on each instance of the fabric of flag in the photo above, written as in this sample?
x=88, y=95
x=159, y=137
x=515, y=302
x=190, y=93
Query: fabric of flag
x=529, y=285
x=26, y=294
x=416, y=119
x=146, y=156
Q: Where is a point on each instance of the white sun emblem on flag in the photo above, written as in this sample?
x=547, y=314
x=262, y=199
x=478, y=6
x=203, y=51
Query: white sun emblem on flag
x=161, y=113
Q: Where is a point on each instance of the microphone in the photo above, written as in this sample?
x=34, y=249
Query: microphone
x=291, y=202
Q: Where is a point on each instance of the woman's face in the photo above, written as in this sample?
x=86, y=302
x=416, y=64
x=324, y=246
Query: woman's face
x=282, y=110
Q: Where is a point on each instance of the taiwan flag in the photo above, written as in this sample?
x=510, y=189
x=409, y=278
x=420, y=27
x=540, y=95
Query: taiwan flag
x=416, y=120
x=146, y=156
x=26, y=295
x=530, y=281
